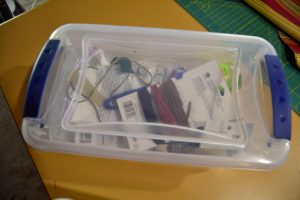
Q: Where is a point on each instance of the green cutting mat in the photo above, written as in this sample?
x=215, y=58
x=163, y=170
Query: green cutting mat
x=237, y=17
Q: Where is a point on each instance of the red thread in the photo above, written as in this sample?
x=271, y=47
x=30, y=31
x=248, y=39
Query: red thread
x=164, y=111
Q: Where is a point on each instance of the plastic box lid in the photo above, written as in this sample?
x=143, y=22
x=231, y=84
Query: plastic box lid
x=159, y=95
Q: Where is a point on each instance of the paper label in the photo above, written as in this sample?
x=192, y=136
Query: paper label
x=84, y=138
x=131, y=111
x=102, y=140
x=107, y=140
x=225, y=128
x=160, y=69
x=140, y=143
x=130, y=108
x=160, y=75
x=205, y=87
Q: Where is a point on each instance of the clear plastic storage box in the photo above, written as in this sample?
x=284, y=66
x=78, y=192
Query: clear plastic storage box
x=159, y=95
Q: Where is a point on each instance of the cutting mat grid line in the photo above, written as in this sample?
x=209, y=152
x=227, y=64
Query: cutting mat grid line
x=232, y=16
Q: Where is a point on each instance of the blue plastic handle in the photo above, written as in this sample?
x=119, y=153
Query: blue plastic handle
x=38, y=79
x=280, y=98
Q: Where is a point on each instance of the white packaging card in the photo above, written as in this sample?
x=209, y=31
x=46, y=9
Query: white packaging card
x=131, y=111
x=160, y=69
x=84, y=138
x=225, y=128
x=94, y=139
x=205, y=87
x=140, y=144
x=130, y=108
x=85, y=112
x=107, y=140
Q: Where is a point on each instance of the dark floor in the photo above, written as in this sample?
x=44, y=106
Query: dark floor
x=19, y=178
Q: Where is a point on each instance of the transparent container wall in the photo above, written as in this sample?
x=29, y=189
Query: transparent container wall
x=253, y=93
x=104, y=69
x=67, y=122
x=53, y=103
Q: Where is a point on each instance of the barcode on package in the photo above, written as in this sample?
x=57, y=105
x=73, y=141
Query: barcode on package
x=129, y=109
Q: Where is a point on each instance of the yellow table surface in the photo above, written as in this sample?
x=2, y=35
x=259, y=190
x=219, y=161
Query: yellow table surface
x=82, y=177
